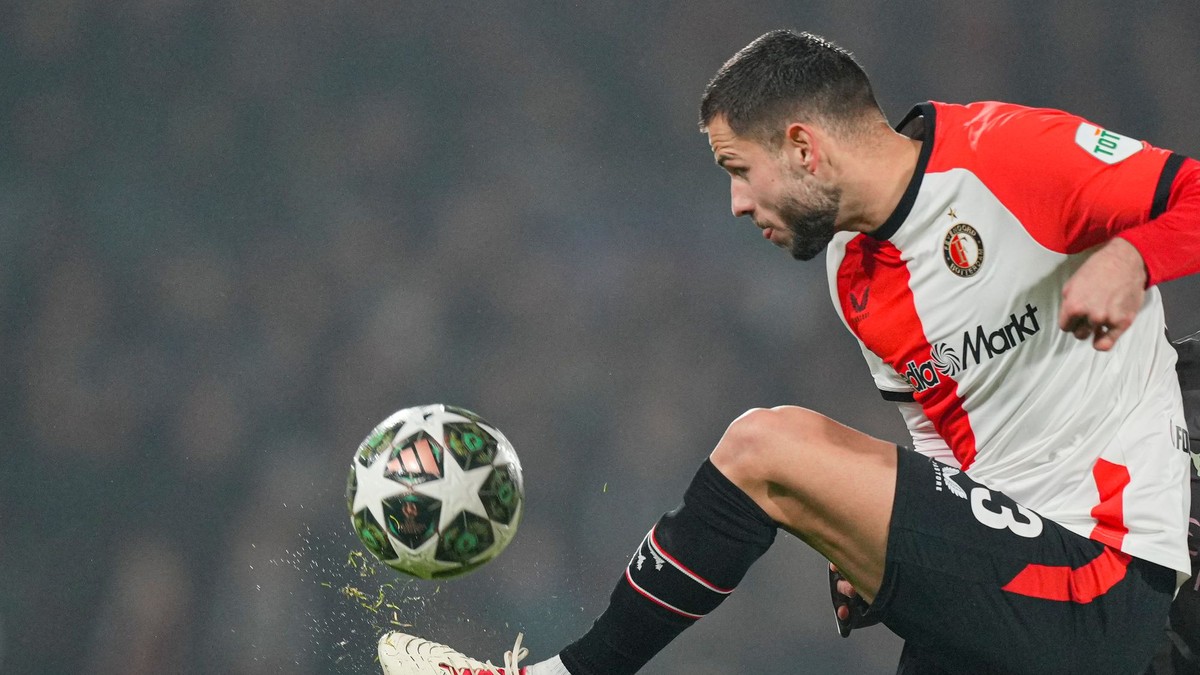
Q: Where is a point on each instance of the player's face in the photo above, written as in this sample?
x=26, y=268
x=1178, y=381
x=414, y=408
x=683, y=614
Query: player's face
x=792, y=208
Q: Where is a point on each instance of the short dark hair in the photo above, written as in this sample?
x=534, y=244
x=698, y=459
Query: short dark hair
x=783, y=73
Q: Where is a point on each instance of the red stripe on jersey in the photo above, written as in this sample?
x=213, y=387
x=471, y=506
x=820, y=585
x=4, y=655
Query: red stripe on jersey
x=877, y=301
x=1111, y=480
x=1080, y=585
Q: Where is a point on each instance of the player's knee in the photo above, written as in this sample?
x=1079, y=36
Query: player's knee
x=760, y=440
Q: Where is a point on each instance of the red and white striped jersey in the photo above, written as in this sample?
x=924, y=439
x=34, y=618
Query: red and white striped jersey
x=954, y=301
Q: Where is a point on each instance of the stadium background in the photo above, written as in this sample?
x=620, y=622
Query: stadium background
x=236, y=235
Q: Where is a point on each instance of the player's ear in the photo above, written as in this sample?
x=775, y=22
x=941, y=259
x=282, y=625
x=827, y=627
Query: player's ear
x=800, y=140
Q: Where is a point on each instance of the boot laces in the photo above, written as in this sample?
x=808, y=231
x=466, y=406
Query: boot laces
x=513, y=656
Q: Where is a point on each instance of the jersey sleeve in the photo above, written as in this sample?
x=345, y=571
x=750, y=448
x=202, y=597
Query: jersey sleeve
x=1170, y=241
x=1075, y=185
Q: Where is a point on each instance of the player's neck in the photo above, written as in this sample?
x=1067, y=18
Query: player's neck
x=874, y=190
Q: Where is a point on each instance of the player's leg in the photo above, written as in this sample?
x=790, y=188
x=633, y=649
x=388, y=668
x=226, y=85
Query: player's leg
x=830, y=485
x=964, y=563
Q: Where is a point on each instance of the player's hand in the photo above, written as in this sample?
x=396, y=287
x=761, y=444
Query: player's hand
x=843, y=592
x=1102, y=298
x=849, y=608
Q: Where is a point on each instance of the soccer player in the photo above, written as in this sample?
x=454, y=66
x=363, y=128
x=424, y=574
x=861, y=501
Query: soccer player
x=996, y=264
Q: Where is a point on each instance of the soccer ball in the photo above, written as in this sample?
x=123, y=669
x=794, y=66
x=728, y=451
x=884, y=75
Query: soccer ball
x=435, y=491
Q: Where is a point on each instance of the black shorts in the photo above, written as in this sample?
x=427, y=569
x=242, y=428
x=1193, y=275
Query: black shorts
x=977, y=584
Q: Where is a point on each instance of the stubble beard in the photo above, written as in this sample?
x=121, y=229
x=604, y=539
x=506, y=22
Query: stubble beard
x=813, y=224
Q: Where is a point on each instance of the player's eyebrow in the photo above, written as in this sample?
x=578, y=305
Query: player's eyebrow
x=721, y=159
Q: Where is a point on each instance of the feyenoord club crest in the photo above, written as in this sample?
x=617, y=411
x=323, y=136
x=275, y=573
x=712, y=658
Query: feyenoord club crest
x=963, y=250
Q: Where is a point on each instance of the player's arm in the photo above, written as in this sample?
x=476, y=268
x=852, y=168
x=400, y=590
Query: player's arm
x=1103, y=297
x=1169, y=242
x=1078, y=187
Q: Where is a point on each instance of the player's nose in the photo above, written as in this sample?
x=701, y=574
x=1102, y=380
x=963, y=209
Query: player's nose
x=740, y=202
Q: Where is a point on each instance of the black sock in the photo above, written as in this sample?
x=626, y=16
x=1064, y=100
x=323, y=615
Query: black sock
x=685, y=567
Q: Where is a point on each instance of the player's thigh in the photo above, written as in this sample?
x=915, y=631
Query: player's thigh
x=828, y=484
x=988, y=586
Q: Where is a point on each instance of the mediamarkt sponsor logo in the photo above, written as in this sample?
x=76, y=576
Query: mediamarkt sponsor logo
x=978, y=345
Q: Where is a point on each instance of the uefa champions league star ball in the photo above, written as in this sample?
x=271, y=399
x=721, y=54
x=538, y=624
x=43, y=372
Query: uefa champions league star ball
x=435, y=491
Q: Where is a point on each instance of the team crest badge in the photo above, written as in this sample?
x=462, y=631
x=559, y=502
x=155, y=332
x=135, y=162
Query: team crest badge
x=963, y=250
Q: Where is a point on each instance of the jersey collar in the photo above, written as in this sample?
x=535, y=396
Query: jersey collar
x=917, y=124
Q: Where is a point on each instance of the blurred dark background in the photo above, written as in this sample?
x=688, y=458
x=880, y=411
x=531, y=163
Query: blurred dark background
x=234, y=236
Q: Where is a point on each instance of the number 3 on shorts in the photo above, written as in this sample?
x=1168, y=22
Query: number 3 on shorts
x=1028, y=525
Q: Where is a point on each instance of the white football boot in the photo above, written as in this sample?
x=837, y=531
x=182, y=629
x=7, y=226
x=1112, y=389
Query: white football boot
x=402, y=654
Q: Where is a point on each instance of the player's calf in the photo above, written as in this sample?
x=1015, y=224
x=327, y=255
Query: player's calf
x=685, y=566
